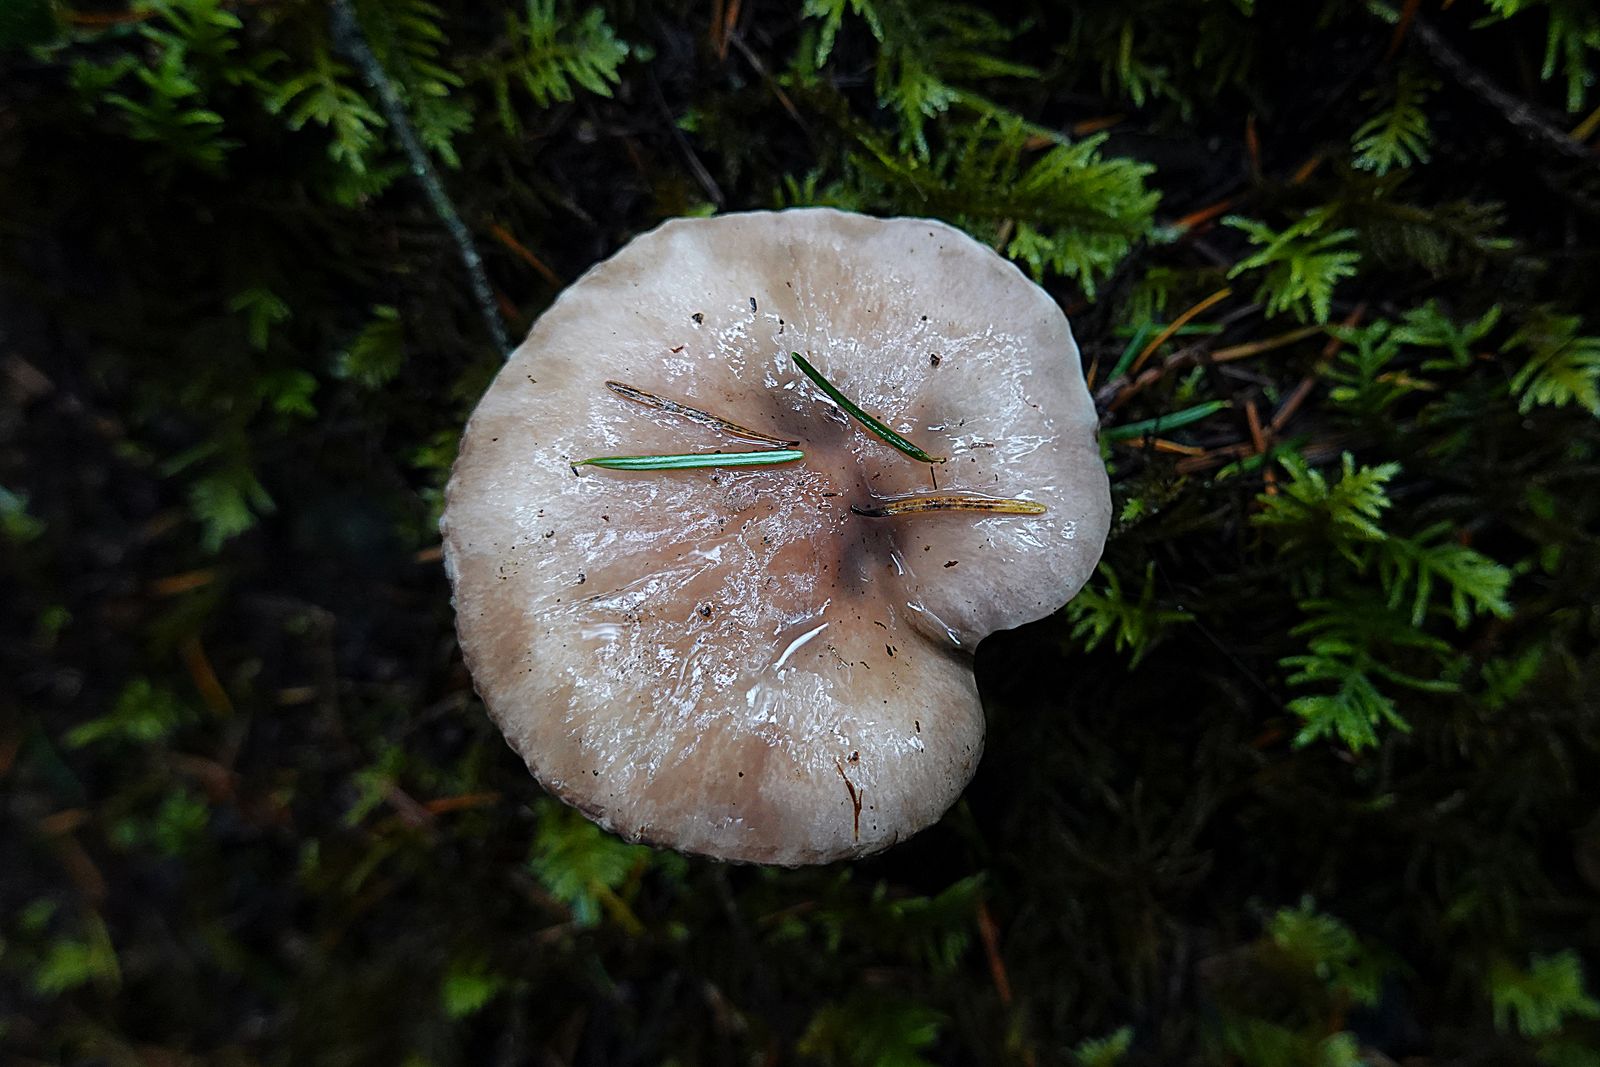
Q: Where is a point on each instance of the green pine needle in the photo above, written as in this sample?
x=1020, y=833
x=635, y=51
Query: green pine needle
x=695, y=460
x=860, y=416
x=1174, y=421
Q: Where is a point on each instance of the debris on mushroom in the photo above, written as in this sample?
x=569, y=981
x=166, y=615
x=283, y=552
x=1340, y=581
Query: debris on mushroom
x=768, y=659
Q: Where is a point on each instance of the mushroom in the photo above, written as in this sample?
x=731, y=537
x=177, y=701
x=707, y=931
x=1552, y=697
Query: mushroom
x=770, y=663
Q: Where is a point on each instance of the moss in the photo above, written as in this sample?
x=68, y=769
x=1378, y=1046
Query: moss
x=1308, y=776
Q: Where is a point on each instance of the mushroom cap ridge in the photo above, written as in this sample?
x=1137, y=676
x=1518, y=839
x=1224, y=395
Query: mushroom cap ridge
x=729, y=661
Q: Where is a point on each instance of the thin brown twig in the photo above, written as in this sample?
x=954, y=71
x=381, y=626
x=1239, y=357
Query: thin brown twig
x=772, y=83
x=1518, y=113
x=697, y=168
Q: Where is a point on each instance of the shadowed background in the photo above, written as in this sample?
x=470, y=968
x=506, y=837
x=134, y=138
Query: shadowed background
x=1308, y=775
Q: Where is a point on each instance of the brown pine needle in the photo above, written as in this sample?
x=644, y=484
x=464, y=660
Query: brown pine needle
x=1258, y=436
x=990, y=935
x=1407, y=15
x=503, y=235
x=1291, y=404
x=461, y=802
x=205, y=679
x=1175, y=325
x=187, y=581
x=1204, y=215
x=934, y=503
x=730, y=23
x=1161, y=444
x=684, y=411
x=1095, y=125
x=1255, y=348
x=1306, y=169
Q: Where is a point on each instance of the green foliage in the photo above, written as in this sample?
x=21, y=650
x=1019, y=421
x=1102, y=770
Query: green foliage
x=1133, y=625
x=1069, y=210
x=1155, y=51
x=580, y=865
x=1507, y=679
x=377, y=353
x=262, y=309
x=934, y=931
x=70, y=964
x=1302, y=264
x=1312, y=513
x=873, y=1030
x=174, y=827
x=1452, y=239
x=1258, y=1043
x=1320, y=945
x=1429, y=327
x=465, y=992
x=1572, y=42
x=16, y=525
x=374, y=783
x=1345, y=642
x=925, y=51
x=409, y=40
x=1562, y=368
x=551, y=55
x=226, y=502
x=168, y=112
x=1398, y=135
x=1078, y=213
x=1105, y=1051
x=1411, y=568
x=1542, y=999
x=1360, y=637
x=1382, y=363
x=144, y=713
x=1344, y=516
x=1057, y=205
x=324, y=94
x=28, y=22
x=1310, y=969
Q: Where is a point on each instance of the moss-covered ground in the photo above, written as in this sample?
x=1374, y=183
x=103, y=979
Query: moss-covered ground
x=1310, y=774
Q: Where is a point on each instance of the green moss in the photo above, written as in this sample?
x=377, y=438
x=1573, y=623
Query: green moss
x=1342, y=648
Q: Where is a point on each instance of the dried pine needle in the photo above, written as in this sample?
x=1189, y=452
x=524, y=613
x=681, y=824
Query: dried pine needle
x=934, y=503
x=693, y=414
x=860, y=416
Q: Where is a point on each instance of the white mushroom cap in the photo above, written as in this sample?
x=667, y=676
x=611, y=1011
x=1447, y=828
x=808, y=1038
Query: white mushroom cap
x=730, y=661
